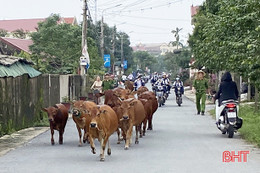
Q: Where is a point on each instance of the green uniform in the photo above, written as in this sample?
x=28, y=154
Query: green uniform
x=201, y=87
x=108, y=84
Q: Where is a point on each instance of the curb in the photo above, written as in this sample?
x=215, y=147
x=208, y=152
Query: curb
x=19, y=138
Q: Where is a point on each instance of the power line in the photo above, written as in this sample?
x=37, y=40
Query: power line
x=151, y=7
x=152, y=18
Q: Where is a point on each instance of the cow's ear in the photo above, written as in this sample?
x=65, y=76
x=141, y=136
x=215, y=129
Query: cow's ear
x=103, y=111
x=44, y=109
x=134, y=92
x=132, y=103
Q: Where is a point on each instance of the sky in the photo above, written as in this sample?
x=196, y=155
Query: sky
x=145, y=21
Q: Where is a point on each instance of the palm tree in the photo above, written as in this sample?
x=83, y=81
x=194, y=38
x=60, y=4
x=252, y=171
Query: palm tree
x=177, y=37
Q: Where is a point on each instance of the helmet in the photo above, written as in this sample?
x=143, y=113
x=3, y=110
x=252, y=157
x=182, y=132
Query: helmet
x=177, y=78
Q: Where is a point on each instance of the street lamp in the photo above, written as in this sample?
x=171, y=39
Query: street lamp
x=102, y=29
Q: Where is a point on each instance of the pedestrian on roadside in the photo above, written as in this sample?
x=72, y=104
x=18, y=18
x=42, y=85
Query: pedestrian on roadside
x=97, y=88
x=200, y=84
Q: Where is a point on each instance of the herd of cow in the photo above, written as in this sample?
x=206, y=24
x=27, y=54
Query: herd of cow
x=121, y=112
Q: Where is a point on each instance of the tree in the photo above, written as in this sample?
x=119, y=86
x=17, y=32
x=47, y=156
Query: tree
x=19, y=33
x=143, y=59
x=3, y=33
x=57, y=47
x=177, y=37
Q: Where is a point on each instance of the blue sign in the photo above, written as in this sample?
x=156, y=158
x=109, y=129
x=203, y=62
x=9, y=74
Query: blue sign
x=107, y=60
x=125, y=64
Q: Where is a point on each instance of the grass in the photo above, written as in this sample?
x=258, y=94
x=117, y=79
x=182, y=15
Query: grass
x=250, y=130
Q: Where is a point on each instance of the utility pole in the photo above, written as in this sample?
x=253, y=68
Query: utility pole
x=122, y=55
x=84, y=35
x=95, y=11
x=102, y=38
x=113, y=49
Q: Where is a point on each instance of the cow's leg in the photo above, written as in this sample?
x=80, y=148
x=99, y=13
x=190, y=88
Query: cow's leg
x=108, y=148
x=80, y=134
x=52, y=139
x=85, y=136
x=61, y=136
x=118, y=136
x=128, y=137
x=137, y=128
x=150, y=125
x=103, y=148
x=144, y=126
x=91, y=140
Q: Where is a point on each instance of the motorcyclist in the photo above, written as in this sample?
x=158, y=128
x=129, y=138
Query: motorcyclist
x=139, y=82
x=154, y=79
x=178, y=84
x=158, y=83
x=227, y=91
x=166, y=83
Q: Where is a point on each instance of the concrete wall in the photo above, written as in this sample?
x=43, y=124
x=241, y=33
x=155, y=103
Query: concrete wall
x=22, y=98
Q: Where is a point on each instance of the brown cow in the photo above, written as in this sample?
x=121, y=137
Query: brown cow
x=148, y=112
x=103, y=124
x=141, y=90
x=133, y=115
x=81, y=119
x=129, y=85
x=154, y=104
x=58, y=116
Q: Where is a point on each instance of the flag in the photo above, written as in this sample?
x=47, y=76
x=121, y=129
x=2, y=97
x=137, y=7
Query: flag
x=84, y=60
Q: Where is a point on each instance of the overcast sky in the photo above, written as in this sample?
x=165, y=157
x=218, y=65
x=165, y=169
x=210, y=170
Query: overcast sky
x=145, y=21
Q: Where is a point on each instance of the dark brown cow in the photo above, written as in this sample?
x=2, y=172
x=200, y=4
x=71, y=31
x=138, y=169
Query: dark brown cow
x=58, y=116
x=81, y=119
x=133, y=115
x=103, y=124
x=154, y=104
x=148, y=112
x=129, y=85
x=141, y=90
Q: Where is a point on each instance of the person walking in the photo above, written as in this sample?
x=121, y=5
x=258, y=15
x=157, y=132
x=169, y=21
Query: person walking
x=107, y=83
x=97, y=88
x=200, y=84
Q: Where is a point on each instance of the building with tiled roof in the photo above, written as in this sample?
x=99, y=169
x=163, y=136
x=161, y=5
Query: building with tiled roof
x=10, y=45
x=193, y=10
x=29, y=25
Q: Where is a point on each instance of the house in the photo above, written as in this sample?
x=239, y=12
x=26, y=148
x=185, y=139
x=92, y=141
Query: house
x=28, y=25
x=9, y=44
x=155, y=48
x=11, y=66
x=194, y=10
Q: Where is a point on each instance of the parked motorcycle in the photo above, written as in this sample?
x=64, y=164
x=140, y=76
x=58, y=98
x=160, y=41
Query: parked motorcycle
x=160, y=96
x=228, y=121
x=179, y=96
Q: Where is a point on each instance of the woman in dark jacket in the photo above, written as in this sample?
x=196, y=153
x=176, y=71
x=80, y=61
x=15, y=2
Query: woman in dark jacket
x=227, y=91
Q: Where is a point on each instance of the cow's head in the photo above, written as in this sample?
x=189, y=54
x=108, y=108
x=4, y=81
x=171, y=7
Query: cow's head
x=52, y=112
x=127, y=110
x=95, y=114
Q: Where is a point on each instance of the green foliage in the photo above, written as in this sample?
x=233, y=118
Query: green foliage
x=57, y=47
x=227, y=37
x=176, y=62
x=3, y=33
x=19, y=33
x=143, y=59
x=251, y=124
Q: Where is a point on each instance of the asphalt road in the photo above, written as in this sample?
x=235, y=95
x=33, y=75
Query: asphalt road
x=180, y=142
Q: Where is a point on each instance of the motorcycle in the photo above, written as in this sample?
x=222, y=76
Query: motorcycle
x=179, y=96
x=166, y=93
x=228, y=121
x=159, y=94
